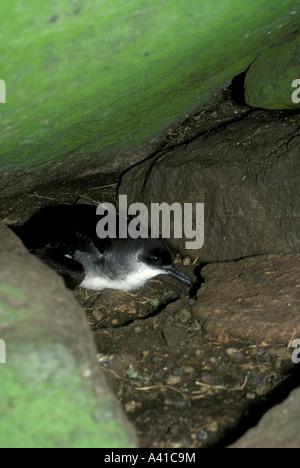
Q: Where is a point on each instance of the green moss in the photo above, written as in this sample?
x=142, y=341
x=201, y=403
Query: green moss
x=12, y=303
x=56, y=413
x=98, y=77
x=47, y=397
x=9, y=289
x=269, y=80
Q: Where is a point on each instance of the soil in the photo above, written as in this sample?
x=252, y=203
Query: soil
x=179, y=385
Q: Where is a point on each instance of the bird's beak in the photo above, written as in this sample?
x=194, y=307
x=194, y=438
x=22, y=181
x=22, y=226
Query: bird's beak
x=172, y=271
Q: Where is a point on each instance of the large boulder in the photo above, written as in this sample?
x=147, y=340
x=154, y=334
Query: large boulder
x=256, y=300
x=247, y=175
x=273, y=79
x=52, y=392
x=279, y=427
x=89, y=80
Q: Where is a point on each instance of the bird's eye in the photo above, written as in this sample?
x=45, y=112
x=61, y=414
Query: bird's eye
x=155, y=259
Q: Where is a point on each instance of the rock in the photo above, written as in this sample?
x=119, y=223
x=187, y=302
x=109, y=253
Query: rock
x=268, y=81
x=278, y=428
x=256, y=300
x=231, y=351
x=98, y=315
x=209, y=379
x=173, y=380
x=130, y=407
x=145, y=354
x=202, y=435
x=189, y=370
x=261, y=350
x=195, y=326
x=51, y=364
x=183, y=315
x=187, y=261
x=238, y=356
x=178, y=371
x=246, y=176
x=130, y=106
x=175, y=307
x=174, y=335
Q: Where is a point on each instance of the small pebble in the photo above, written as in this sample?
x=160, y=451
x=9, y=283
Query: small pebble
x=187, y=261
x=189, y=370
x=238, y=356
x=270, y=381
x=208, y=379
x=254, y=380
x=179, y=402
x=202, y=435
x=98, y=315
x=173, y=379
x=145, y=354
x=159, y=375
x=190, y=345
x=215, y=361
x=168, y=401
x=130, y=407
x=183, y=315
x=167, y=294
x=196, y=326
x=231, y=351
x=178, y=371
x=155, y=359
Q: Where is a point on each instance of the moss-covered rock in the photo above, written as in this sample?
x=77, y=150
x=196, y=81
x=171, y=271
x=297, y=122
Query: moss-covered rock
x=52, y=392
x=95, y=78
x=271, y=81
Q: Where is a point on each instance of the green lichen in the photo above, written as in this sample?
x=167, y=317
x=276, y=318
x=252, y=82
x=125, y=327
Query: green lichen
x=60, y=412
x=12, y=303
x=269, y=80
x=99, y=77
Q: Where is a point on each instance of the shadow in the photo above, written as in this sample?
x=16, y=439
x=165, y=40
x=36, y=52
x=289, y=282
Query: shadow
x=237, y=89
x=198, y=283
x=258, y=408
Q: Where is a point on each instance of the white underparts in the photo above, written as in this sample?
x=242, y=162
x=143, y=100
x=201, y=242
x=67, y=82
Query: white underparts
x=133, y=280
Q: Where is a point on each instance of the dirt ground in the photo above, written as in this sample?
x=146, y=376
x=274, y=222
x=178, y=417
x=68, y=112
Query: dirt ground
x=180, y=387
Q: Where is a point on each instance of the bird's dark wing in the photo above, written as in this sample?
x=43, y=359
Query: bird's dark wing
x=54, y=255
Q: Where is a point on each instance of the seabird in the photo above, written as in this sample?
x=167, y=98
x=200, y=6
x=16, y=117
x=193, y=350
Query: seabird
x=64, y=237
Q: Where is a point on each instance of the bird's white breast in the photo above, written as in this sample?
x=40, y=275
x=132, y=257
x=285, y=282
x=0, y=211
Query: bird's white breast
x=134, y=280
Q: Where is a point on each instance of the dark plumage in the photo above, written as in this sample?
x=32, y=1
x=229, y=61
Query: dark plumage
x=64, y=237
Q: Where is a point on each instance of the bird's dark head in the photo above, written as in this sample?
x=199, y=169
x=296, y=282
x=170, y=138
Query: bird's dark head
x=155, y=254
